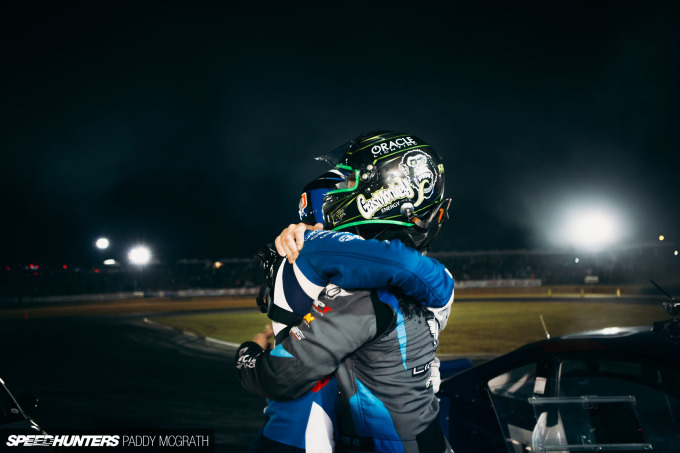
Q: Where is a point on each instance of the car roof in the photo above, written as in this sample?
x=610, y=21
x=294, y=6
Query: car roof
x=608, y=332
x=636, y=343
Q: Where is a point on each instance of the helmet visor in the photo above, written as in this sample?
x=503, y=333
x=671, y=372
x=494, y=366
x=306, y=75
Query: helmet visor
x=348, y=181
x=333, y=158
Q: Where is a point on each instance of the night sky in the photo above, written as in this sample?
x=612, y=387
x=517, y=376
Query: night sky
x=192, y=126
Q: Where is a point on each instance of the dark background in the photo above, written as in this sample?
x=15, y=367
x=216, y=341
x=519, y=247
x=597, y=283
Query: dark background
x=192, y=126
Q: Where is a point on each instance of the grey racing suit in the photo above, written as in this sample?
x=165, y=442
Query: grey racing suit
x=380, y=346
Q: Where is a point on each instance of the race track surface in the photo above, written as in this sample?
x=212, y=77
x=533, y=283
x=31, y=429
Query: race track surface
x=118, y=372
x=100, y=366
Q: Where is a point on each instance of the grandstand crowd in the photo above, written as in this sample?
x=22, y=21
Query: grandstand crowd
x=630, y=266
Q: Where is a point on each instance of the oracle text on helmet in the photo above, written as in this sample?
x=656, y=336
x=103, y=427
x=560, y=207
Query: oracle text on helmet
x=385, y=148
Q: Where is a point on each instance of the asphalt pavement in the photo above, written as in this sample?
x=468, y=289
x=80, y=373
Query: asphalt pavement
x=118, y=372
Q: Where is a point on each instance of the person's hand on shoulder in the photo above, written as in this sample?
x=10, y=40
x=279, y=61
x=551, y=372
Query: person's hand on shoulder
x=262, y=338
x=291, y=240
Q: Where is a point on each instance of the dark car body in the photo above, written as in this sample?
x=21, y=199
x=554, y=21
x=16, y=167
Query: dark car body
x=12, y=416
x=614, y=389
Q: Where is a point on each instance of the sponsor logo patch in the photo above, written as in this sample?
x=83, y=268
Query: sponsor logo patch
x=346, y=237
x=245, y=360
x=338, y=215
x=296, y=333
x=333, y=291
x=308, y=318
x=398, y=189
x=434, y=331
x=302, y=206
x=421, y=173
x=321, y=307
x=393, y=145
x=421, y=369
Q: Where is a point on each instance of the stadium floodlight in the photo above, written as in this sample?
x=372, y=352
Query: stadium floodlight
x=139, y=255
x=591, y=229
x=102, y=243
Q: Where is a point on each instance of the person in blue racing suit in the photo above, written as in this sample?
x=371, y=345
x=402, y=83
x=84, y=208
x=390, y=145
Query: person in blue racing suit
x=349, y=262
x=327, y=257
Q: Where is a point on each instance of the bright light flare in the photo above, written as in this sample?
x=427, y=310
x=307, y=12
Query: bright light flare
x=139, y=255
x=102, y=243
x=611, y=330
x=591, y=229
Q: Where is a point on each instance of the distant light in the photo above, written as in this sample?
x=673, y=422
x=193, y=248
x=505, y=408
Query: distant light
x=109, y=262
x=64, y=266
x=140, y=255
x=661, y=237
x=96, y=271
x=576, y=260
x=102, y=243
x=676, y=254
x=217, y=264
x=591, y=229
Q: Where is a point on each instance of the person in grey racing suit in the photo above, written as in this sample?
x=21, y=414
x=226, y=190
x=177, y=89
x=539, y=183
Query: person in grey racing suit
x=379, y=343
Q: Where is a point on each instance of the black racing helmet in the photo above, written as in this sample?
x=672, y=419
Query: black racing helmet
x=392, y=188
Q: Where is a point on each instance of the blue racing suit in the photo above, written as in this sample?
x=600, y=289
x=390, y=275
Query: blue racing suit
x=345, y=260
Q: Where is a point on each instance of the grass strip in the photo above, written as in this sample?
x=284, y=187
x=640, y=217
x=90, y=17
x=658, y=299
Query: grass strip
x=474, y=327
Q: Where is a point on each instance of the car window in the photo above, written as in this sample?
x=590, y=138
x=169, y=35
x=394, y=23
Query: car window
x=510, y=393
x=589, y=404
x=619, y=401
x=517, y=383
